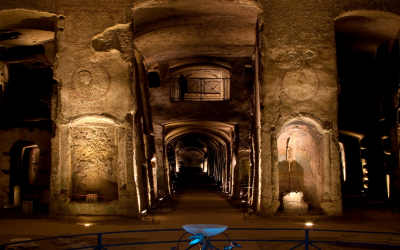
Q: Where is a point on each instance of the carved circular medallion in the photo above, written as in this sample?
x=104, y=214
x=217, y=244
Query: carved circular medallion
x=91, y=82
x=300, y=85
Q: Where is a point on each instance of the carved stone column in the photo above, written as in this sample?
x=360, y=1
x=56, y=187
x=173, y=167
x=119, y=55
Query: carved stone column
x=299, y=89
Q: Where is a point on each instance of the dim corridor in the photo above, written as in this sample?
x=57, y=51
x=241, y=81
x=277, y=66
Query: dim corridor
x=199, y=199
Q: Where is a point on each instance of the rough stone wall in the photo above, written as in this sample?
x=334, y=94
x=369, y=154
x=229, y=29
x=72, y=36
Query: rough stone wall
x=94, y=161
x=298, y=79
x=94, y=145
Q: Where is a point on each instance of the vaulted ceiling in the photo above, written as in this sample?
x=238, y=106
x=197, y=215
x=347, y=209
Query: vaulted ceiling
x=183, y=29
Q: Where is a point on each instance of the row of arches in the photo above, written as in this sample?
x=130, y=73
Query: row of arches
x=168, y=32
x=205, y=146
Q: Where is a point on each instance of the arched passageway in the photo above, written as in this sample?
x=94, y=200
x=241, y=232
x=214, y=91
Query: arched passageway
x=28, y=177
x=368, y=73
x=200, y=147
x=196, y=61
x=201, y=163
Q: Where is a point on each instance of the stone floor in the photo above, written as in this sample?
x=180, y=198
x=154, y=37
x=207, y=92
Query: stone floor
x=199, y=202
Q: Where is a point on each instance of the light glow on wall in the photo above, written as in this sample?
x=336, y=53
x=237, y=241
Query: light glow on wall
x=135, y=175
x=96, y=119
x=388, y=185
x=259, y=182
x=365, y=172
x=343, y=160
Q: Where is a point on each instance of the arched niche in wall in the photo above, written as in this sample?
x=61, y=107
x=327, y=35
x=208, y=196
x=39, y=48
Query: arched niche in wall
x=94, y=159
x=25, y=170
x=200, y=82
x=300, y=162
x=13, y=142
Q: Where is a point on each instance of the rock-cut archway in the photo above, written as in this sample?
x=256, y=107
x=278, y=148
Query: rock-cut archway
x=300, y=160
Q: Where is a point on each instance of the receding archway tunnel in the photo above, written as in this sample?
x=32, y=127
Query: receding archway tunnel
x=368, y=70
x=199, y=156
x=195, y=159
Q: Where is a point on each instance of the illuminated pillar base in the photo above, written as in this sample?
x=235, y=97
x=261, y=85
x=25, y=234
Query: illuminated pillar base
x=293, y=203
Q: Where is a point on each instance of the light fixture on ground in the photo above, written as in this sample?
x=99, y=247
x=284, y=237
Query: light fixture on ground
x=86, y=224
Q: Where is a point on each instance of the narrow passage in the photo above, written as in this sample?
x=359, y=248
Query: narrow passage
x=201, y=201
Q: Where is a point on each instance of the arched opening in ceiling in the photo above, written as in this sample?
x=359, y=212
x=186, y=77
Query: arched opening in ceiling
x=368, y=71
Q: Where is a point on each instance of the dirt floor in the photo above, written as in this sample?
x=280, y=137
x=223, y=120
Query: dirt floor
x=199, y=202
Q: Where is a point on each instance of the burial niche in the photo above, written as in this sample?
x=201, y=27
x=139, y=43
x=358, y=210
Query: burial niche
x=94, y=162
x=300, y=168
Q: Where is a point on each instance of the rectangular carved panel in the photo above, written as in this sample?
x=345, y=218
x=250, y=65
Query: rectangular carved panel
x=94, y=156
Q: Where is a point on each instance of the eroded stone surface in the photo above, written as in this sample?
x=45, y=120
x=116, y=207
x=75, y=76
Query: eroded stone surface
x=94, y=161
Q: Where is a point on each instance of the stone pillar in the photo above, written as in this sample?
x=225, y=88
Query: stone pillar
x=94, y=146
x=298, y=83
x=161, y=168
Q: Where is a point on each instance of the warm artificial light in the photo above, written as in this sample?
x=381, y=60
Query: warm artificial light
x=388, y=185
